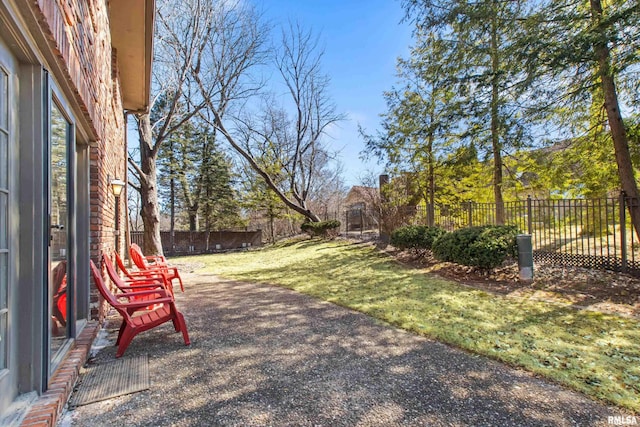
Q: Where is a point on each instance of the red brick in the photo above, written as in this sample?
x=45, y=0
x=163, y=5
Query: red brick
x=37, y=423
x=43, y=413
x=47, y=409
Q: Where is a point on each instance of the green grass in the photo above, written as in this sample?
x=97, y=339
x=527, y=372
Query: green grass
x=594, y=353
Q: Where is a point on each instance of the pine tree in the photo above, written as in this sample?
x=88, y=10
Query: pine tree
x=590, y=49
x=483, y=39
x=199, y=178
x=259, y=199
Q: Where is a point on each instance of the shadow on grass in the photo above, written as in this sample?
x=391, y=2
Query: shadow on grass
x=591, y=352
x=262, y=355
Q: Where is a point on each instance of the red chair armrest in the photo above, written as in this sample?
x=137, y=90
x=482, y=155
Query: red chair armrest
x=157, y=269
x=156, y=259
x=156, y=281
x=144, y=274
x=162, y=292
x=143, y=287
x=145, y=303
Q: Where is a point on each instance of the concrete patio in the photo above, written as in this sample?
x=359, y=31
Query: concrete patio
x=263, y=355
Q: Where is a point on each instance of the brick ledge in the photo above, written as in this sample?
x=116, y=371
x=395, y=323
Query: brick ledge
x=46, y=411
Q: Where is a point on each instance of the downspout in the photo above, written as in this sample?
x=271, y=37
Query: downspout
x=127, y=235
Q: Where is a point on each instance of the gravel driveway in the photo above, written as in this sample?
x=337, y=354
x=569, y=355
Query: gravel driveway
x=263, y=355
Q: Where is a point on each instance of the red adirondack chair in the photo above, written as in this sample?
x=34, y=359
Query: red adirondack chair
x=154, y=263
x=133, y=325
x=144, y=274
x=141, y=284
x=150, y=259
x=59, y=309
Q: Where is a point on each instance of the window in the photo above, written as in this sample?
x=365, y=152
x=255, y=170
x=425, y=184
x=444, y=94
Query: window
x=4, y=215
x=59, y=211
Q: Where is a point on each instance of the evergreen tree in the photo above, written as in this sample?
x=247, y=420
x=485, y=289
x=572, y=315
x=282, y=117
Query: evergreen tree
x=258, y=198
x=219, y=206
x=590, y=50
x=177, y=160
x=421, y=117
x=483, y=41
x=199, y=178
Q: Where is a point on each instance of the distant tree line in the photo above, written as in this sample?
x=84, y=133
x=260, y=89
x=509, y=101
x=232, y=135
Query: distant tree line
x=500, y=99
x=238, y=121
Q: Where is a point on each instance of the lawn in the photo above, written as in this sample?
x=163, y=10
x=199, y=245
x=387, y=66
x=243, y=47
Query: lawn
x=591, y=352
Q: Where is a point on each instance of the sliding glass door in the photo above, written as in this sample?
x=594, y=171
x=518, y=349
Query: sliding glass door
x=8, y=135
x=59, y=226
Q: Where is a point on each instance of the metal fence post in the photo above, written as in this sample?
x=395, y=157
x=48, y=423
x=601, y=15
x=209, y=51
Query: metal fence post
x=529, y=219
x=623, y=232
x=470, y=213
x=346, y=222
x=384, y=200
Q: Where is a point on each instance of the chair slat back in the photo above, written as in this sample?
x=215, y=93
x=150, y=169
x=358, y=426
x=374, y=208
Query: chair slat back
x=111, y=271
x=102, y=288
x=137, y=257
x=59, y=273
x=121, y=266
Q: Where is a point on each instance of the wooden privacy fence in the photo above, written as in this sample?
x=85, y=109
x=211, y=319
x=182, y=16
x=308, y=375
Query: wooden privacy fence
x=591, y=233
x=201, y=242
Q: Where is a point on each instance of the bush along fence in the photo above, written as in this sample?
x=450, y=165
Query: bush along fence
x=590, y=233
x=201, y=242
x=326, y=229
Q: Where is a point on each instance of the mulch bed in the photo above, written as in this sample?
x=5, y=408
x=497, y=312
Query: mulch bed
x=604, y=291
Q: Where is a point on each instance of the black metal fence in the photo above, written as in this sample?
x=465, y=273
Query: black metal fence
x=591, y=233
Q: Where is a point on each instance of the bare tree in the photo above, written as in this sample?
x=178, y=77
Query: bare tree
x=133, y=204
x=182, y=31
x=235, y=48
x=283, y=144
x=329, y=189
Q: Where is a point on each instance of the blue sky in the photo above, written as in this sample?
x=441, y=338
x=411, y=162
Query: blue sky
x=362, y=40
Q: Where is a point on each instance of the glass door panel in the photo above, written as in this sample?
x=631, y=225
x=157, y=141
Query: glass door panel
x=59, y=226
x=4, y=217
x=4, y=307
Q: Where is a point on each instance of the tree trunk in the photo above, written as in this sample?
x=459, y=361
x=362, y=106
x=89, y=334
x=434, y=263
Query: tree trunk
x=432, y=185
x=495, y=136
x=172, y=226
x=150, y=212
x=207, y=227
x=193, y=217
x=616, y=124
x=272, y=227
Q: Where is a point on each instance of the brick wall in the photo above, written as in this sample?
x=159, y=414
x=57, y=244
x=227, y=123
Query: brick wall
x=78, y=32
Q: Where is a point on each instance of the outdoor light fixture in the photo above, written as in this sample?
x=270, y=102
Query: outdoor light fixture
x=116, y=186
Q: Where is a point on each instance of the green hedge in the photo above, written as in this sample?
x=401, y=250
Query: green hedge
x=327, y=229
x=484, y=247
x=417, y=238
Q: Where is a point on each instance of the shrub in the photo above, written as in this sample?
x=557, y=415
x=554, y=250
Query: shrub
x=326, y=229
x=417, y=238
x=484, y=247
